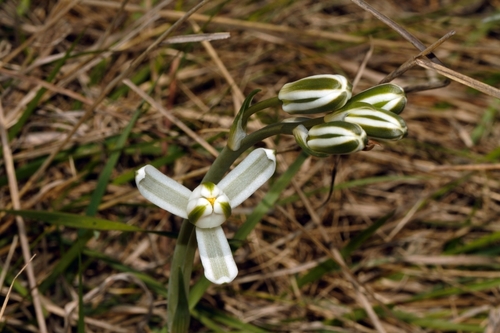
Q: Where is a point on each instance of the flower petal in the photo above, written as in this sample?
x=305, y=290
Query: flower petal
x=248, y=176
x=216, y=255
x=162, y=190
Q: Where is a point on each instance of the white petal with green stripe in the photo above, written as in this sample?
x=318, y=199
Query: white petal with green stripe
x=215, y=255
x=248, y=176
x=163, y=191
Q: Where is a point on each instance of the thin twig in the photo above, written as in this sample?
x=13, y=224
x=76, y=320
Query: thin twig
x=70, y=308
x=362, y=67
x=463, y=79
x=111, y=26
x=5, y=267
x=47, y=85
x=21, y=228
x=468, y=167
x=412, y=62
x=4, y=305
x=359, y=291
x=171, y=117
x=413, y=40
x=196, y=38
x=401, y=224
x=238, y=96
x=399, y=29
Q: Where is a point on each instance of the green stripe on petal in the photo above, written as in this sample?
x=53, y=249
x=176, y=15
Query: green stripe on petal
x=215, y=255
x=337, y=137
x=163, y=191
x=225, y=209
x=208, y=186
x=196, y=213
x=248, y=176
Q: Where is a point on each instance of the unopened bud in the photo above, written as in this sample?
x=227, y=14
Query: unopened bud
x=377, y=123
x=387, y=96
x=331, y=138
x=315, y=94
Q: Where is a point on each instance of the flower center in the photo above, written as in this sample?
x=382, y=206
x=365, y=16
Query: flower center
x=208, y=206
x=211, y=200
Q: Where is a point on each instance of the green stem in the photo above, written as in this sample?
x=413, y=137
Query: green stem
x=182, y=261
x=268, y=103
x=238, y=130
x=186, y=242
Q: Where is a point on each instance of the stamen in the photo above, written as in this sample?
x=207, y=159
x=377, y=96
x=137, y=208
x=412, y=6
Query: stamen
x=212, y=200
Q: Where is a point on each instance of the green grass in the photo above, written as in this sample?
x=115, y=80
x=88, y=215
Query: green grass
x=87, y=224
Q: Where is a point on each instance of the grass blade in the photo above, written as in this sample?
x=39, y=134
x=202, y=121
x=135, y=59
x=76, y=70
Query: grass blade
x=223, y=318
x=81, y=222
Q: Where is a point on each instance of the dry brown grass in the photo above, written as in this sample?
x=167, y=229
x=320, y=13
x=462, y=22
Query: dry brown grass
x=441, y=181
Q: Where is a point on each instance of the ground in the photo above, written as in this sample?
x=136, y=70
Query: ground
x=407, y=242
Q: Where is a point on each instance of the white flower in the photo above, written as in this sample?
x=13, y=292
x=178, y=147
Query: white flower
x=209, y=205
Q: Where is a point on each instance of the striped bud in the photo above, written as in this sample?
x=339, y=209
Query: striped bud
x=388, y=96
x=331, y=138
x=315, y=94
x=376, y=122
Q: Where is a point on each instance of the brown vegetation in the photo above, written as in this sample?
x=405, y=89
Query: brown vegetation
x=432, y=266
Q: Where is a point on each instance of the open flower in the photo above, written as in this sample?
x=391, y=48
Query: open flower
x=209, y=205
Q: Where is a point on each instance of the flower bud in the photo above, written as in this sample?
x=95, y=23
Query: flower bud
x=387, y=96
x=336, y=137
x=208, y=206
x=315, y=94
x=376, y=122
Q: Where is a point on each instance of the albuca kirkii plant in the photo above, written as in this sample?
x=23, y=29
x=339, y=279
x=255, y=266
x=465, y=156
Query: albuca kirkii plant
x=338, y=123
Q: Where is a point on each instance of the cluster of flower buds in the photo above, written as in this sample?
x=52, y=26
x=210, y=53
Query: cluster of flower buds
x=352, y=121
